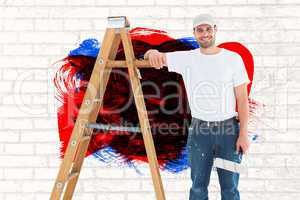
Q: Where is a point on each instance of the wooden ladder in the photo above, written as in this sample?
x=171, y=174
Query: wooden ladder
x=70, y=167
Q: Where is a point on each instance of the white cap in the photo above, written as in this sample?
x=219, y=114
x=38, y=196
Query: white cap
x=203, y=19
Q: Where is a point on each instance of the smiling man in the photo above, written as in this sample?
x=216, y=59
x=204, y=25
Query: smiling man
x=216, y=80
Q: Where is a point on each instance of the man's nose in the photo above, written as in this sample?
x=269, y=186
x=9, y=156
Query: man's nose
x=205, y=34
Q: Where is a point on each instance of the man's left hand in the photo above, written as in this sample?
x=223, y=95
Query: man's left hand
x=243, y=143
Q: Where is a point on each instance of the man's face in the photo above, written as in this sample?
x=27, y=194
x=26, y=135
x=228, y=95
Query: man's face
x=205, y=34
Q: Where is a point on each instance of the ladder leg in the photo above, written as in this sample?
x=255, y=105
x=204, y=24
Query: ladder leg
x=88, y=110
x=142, y=114
x=79, y=158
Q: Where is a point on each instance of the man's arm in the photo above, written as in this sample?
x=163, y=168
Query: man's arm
x=156, y=59
x=243, y=107
x=243, y=114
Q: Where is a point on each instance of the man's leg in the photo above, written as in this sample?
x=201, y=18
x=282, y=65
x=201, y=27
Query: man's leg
x=201, y=160
x=226, y=141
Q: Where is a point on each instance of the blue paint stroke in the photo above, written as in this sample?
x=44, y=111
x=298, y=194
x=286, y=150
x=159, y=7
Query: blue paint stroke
x=89, y=47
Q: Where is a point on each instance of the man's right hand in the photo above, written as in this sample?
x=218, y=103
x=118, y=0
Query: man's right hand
x=156, y=58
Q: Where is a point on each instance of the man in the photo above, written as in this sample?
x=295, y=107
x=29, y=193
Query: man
x=215, y=80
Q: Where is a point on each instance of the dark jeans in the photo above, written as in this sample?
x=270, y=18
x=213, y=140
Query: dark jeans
x=209, y=141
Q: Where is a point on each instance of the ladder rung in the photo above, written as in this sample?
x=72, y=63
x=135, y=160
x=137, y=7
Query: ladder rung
x=113, y=128
x=124, y=128
x=86, y=137
x=123, y=64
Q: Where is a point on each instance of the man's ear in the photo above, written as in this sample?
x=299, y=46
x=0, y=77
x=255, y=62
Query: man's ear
x=216, y=28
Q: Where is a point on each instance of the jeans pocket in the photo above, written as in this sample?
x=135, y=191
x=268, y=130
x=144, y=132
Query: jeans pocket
x=236, y=128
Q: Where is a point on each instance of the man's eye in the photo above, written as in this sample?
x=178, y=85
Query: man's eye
x=201, y=30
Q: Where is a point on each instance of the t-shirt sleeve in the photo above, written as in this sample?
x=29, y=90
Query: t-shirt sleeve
x=240, y=74
x=176, y=61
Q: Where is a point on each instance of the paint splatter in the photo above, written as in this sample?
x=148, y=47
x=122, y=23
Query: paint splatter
x=120, y=146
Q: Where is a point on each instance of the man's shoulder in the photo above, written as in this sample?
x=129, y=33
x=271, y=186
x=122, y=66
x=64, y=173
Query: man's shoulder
x=231, y=54
x=181, y=52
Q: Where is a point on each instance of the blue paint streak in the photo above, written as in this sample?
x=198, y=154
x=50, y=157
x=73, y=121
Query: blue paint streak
x=253, y=137
x=191, y=42
x=89, y=47
x=108, y=155
x=176, y=166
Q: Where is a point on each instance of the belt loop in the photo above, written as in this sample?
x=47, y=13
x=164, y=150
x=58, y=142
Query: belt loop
x=208, y=123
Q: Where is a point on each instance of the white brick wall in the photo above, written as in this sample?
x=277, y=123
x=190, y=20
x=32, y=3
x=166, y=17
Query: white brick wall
x=35, y=33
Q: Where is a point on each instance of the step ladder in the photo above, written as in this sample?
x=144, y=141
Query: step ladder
x=70, y=167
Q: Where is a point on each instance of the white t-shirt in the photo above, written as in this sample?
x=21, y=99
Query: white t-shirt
x=209, y=81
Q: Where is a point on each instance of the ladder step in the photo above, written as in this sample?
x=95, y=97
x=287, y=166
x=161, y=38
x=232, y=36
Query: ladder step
x=84, y=138
x=113, y=128
x=124, y=128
